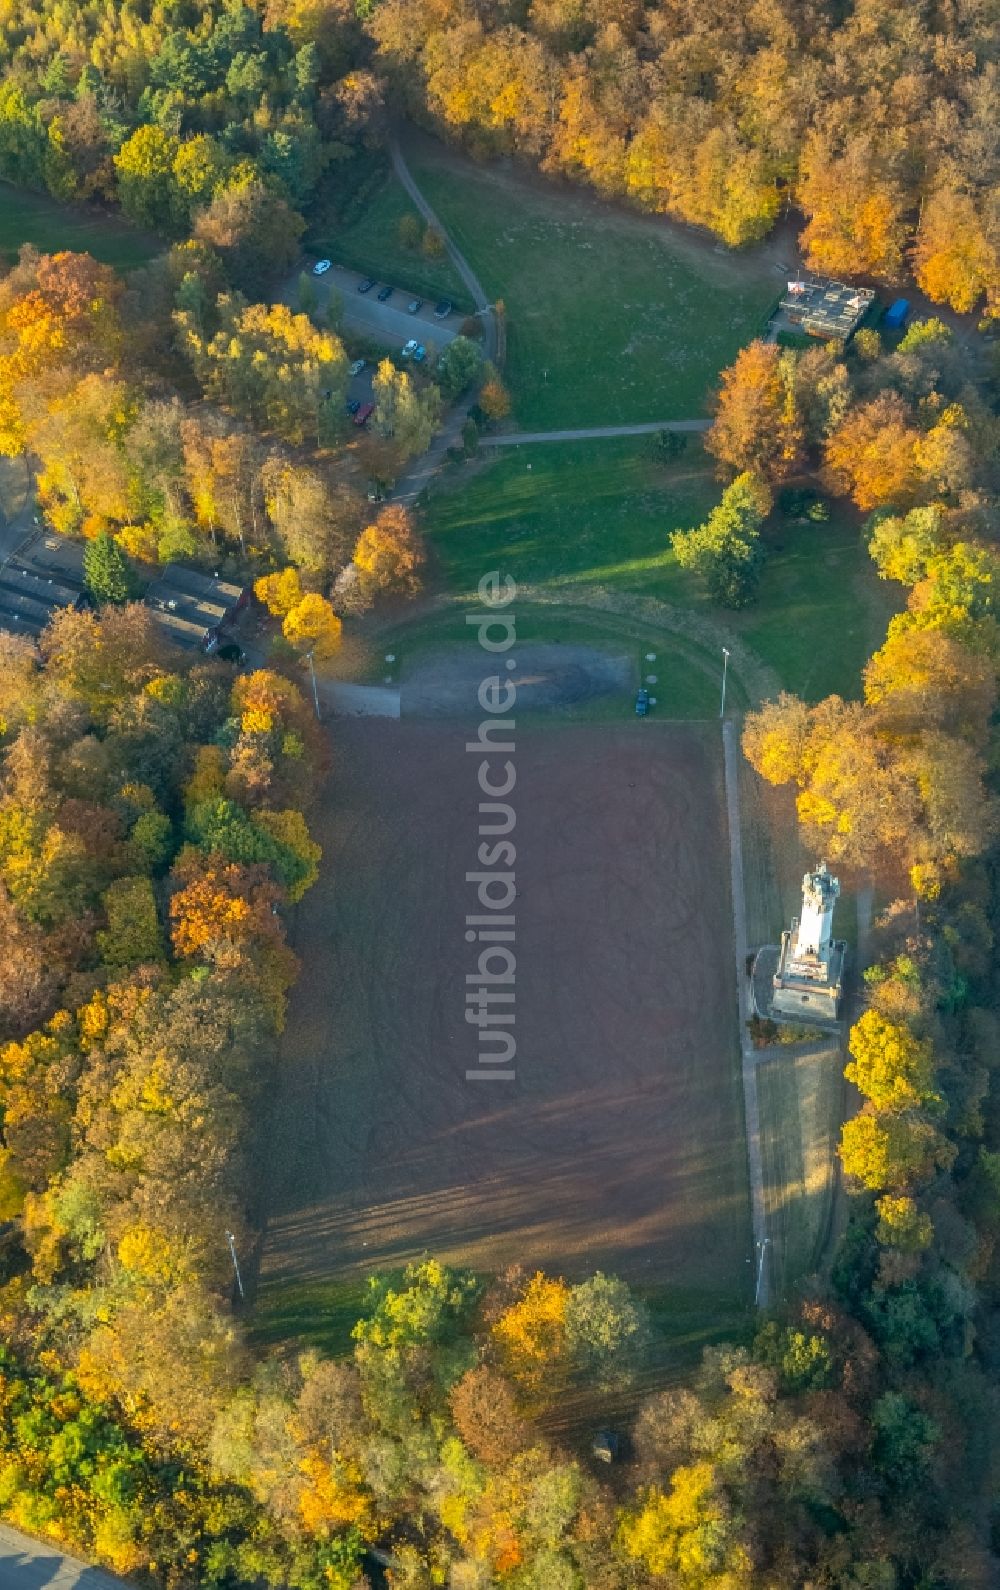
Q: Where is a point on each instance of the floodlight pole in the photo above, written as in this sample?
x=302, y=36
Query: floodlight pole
x=236, y=1265
x=312, y=675
x=725, y=668
x=760, y=1268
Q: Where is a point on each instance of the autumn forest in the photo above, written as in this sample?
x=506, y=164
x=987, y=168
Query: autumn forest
x=157, y=806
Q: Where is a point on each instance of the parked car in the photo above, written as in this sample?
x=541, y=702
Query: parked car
x=444, y=308
x=383, y=293
x=357, y=366
x=321, y=267
x=642, y=703
x=366, y=285
x=352, y=405
x=413, y=350
x=414, y=305
x=364, y=414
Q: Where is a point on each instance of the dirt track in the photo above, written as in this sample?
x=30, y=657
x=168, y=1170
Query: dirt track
x=444, y=684
x=620, y=1144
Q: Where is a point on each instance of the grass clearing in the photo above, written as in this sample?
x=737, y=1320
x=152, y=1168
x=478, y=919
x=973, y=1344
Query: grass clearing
x=372, y=244
x=320, y=1314
x=598, y=515
x=573, y=513
x=611, y=318
x=801, y=1103
x=34, y=218
x=819, y=582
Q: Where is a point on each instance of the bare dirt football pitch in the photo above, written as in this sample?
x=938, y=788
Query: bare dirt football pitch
x=620, y=1145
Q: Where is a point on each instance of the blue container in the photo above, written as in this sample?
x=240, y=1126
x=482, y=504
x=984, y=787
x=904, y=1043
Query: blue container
x=895, y=315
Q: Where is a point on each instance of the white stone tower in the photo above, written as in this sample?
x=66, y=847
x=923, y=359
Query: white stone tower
x=809, y=980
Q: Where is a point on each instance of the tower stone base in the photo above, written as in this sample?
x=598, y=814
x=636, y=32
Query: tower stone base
x=808, y=987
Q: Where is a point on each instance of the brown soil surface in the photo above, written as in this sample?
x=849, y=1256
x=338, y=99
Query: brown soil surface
x=620, y=1144
x=446, y=683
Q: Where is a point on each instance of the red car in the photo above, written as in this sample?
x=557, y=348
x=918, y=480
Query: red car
x=364, y=414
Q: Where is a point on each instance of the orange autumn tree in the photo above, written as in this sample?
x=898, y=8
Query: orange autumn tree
x=58, y=313
x=225, y=915
x=955, y=261
x=757, y=425
x=856, y=209
x=390, y=554
x=873, y=455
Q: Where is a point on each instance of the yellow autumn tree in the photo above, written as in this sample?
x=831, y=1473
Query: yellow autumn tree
x=279, y=592
x=312, y=625
x=687, y=1535
x=892, y=1151
x=889, y=1065
x=531, y=1334
x=954, y=259
x=901, y=1224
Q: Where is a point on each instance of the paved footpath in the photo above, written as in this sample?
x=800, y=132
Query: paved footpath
x=420, y=473
x=646, y=428
x=455, y=254
x=758, y=1213
x=29, y=1564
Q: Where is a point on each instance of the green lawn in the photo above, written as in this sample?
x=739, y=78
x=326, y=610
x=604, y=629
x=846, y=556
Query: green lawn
x=33, y=218
x=821, y=610
x=572, y=514
x=611, y=318
x=801, y=1102
x=371, y=243
x=599, y=515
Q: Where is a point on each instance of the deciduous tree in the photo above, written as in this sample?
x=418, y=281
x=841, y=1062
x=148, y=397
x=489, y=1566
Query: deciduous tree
x=757, y=425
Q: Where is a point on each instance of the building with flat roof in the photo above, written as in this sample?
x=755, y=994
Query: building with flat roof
x=825, y=308
x=46, y=573
x=193, y=607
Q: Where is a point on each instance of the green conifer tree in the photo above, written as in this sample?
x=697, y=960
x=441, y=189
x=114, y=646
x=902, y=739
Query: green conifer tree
x=106, y=570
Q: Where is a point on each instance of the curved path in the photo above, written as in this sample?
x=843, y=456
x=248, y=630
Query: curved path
x=409, y=486
x=412, y=483
x=647, y=428
x=458, y=259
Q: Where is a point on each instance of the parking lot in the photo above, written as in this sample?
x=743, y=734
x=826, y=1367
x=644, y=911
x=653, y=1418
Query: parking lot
x=388, y=322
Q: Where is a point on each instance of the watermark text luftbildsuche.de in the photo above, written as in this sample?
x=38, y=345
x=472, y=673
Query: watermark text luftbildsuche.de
x=490, y=988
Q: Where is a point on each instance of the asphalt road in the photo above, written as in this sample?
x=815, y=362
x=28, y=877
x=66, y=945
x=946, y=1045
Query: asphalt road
x=389, y=322
x=27, y=1564
x=17, y=505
